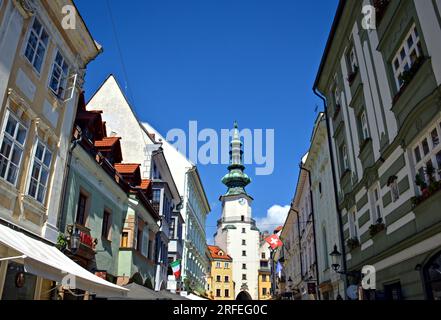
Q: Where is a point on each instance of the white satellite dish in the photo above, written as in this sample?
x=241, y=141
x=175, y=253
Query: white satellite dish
x=352, y=292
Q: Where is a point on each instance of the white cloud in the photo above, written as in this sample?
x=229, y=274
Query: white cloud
x=210, y=241
x=275, y=216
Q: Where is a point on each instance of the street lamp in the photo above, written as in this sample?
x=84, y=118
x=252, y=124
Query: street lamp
x=74, y=238
x=290, y=282
x=335, y=256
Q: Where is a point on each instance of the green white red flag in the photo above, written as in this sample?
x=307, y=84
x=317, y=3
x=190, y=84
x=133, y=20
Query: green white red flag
x=176, y=267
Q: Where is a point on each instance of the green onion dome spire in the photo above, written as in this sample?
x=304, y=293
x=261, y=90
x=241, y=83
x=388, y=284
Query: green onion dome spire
x=236, y=180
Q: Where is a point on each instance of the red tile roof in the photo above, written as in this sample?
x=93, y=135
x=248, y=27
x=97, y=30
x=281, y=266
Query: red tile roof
x=218, y=253
x=145, y=184
x=126, y=168
x=107, y=142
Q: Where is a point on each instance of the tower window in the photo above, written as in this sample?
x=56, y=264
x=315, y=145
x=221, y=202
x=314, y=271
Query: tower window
x=242, y=218
x=243, y=230
x=244, y=253
x=244, y=242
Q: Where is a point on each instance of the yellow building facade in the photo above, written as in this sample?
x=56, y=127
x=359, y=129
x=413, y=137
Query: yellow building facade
x=45, y=47
x=264, y=285
x=220, y=285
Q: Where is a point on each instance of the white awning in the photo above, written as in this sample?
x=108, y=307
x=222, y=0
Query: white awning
x=50, y=263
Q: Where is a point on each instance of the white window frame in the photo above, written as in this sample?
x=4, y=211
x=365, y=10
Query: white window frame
x=405, y=63
x=15, y=144
x=145, y=241
x=395, y=191
x=31, y=31
x=43, y=167
x=337, y=96
x=433, y=151
x=353, y=63
x=62, y=78
x=353, y=225
x=376, y=204
x=364, y=126
x=344, y=158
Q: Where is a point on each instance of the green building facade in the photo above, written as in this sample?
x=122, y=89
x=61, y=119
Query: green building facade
x=381, y=82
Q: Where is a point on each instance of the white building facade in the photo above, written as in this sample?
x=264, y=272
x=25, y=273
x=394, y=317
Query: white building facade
x=194, y=211
x=237, y=233
x=327, y=229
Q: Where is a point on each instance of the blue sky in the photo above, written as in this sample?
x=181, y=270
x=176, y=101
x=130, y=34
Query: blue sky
x=216, y=61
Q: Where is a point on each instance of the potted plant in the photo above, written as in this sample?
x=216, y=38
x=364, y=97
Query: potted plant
x=420, y=182
x=377, y=227
x=61, y=242
x=353, y=243
x=407, y=76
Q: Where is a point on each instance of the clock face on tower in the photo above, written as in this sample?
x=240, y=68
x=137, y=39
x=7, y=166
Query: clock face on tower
x=242, y=201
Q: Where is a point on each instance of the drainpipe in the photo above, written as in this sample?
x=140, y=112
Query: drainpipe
x=334, y=181
x=313, y=229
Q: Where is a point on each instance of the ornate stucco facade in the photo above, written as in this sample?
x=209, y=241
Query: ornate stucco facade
x=41, y=76
x=382, y=92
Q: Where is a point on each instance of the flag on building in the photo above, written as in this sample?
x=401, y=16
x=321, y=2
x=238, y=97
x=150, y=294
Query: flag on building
x=274, y=241
x=279, y=269
x=176, y=267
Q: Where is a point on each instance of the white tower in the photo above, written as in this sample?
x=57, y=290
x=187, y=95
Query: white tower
x=236, y=232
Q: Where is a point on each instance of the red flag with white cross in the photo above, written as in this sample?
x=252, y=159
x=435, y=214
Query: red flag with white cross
x=274, y=241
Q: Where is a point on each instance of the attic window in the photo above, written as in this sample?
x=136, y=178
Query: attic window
x=221, y=253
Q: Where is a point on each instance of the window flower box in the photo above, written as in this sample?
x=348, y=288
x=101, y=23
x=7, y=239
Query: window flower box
x=427, y=191
x=377, y=228
x=352, y=243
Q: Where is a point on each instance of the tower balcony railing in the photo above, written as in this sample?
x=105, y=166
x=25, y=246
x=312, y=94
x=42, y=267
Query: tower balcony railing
x=237, y=219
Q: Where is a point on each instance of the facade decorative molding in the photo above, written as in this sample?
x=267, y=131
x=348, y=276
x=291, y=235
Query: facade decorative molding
x=27, y=8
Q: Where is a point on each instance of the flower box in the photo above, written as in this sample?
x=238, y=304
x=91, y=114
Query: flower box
x=376, y=228
x=352, y=243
